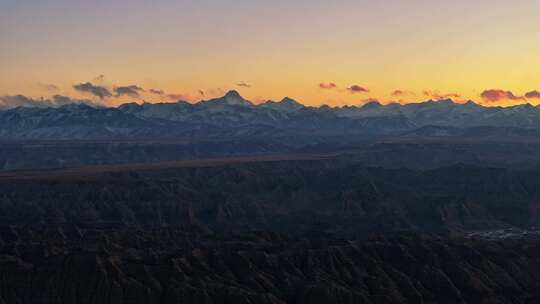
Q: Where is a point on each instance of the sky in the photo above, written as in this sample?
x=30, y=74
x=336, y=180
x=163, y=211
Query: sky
x=340, y=52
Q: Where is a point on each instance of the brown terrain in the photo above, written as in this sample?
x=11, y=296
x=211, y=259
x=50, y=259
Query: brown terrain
x=267, y=229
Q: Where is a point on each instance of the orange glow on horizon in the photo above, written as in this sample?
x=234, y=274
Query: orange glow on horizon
x=278, y=48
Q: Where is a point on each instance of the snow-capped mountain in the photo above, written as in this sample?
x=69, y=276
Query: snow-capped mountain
x=285, y=105
x=232, y=98
x=233, y=116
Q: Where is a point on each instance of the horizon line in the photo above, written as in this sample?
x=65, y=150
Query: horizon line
x=48, y=103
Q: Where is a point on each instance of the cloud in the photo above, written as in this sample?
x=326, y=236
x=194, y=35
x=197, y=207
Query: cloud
x=99, y=78
x=494, y=95
x=95, y=90
x=179, y=97
x=438, y=96
x=357, y=89
x=533, y=94
x=176, y=96
x=243, y=84
x=398, y=93
x=156, y=91
x=47, y=86
x=327, y=86
x=131, y=90
x=196, y=96
x=9, y=102
x=61, y=100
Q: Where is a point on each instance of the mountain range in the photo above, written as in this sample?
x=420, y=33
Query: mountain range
x=232, y=116
x=226, y=201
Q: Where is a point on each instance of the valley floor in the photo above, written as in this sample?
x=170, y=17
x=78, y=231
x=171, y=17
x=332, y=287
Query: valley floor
x=289, y=228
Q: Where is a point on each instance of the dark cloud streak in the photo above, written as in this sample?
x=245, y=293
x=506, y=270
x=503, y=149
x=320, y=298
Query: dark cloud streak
x=533, y=94
x=357, y=89
x=48, y=86
x=439, y=96
x=327, y=86
x=95, y=90
x=131, y=91
x=243, y=85
x=99, y=78
x=178, y=97
x=14, y=101
x=398, y=93
x=156, y=92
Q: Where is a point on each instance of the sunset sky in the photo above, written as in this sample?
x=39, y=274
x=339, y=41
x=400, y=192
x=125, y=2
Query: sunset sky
x=318, y=52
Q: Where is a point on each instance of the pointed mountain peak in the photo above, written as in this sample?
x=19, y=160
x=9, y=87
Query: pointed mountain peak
x=232, y=98
x=325, y=107
x=374, y=104
x=437, y=101
x=286, y=104
x=446, y=101
x=77, y=107
x=233, y=94
x=524, y=106
x=290, y=101
x=129, y=107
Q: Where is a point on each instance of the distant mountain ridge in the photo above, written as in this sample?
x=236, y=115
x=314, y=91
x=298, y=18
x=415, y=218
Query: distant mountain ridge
x=232, y=116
